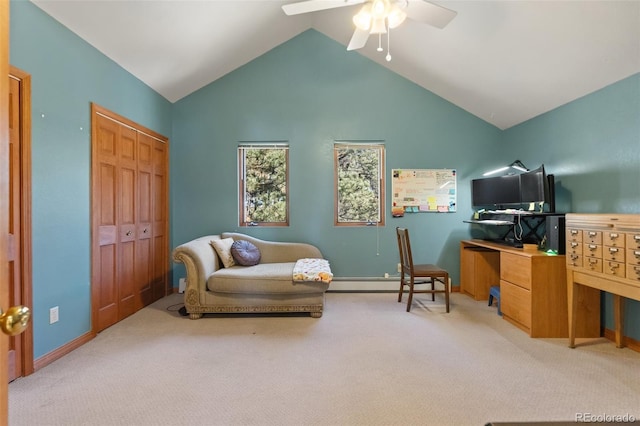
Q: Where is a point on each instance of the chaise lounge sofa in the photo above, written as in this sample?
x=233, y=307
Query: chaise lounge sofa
x=289, y=277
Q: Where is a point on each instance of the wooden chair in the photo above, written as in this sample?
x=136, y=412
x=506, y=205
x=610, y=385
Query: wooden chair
x=411, y=274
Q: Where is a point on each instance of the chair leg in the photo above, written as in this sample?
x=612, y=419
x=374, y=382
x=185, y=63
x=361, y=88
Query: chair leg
x=447, y=291
x=410, y=296
x=401, y=288
x=433, y=289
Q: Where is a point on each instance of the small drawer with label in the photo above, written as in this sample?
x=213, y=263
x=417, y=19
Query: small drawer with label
x=593, y=264
x=574, y=235
x=574, y=260
x=615, y=254
x=614, y=239
x=574, y=247
x=633, y=240
x=615, y=268
x=592, y=250
x=633, y=256
x=592, y=237
x=633, y=273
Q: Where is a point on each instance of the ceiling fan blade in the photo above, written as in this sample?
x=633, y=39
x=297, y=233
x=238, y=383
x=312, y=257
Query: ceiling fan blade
x=315, y=5
x=429, y=13
x=358, y=40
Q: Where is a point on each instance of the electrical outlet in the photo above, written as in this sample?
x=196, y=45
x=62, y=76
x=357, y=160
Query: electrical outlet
x=386, y=275
x=399, y=267
x=53, y=315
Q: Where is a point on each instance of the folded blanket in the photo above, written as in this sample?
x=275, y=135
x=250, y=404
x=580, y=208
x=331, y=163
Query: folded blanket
x=312, y=270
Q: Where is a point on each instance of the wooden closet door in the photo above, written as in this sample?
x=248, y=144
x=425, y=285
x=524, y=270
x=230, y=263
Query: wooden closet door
x=144, y=231
x=160, y=220
x=104, y=289
x=127, y=222
x=129, y=216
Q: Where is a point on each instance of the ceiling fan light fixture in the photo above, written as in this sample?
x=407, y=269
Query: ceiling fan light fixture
x=396, y=16
x=362, y=19
x=379, y=9
x=379, y=26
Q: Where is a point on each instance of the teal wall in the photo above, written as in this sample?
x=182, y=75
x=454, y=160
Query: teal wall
x=309, y=91
x=67, y=74
x=592, y=146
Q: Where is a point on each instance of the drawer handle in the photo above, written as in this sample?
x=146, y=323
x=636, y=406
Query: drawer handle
x=636, y=253
x=574, y=232
x=593, y=261
x=592, y=234
x=613, y=266
x=592, y=247
x=613, y=250
x=145, y=231
x=128, y=233
x=574, y=245
x=613, y=236
x=636, y=237
x=574, y=257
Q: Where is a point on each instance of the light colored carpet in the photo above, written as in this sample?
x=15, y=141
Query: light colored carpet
x=365, y=362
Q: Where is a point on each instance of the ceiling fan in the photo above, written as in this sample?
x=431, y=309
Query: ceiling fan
x=378, y=16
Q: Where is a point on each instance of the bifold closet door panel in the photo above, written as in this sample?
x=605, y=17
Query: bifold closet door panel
x=160, y=220
x=143, y=256
x=127, y=221
x=105, y=175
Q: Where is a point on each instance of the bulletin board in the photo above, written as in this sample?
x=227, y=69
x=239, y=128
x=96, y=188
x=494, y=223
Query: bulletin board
x=423, y=190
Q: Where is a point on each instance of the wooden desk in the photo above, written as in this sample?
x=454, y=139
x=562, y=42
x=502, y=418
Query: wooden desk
x=533, y=290
x=603, y=254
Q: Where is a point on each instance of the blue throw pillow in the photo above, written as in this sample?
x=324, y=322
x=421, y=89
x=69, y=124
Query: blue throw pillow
x=245, y=253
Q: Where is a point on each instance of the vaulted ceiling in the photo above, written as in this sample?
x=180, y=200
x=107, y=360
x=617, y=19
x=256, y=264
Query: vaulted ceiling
x=503, y=61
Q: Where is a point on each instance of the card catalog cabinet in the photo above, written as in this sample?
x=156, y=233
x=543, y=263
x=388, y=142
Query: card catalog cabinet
x=603, y=253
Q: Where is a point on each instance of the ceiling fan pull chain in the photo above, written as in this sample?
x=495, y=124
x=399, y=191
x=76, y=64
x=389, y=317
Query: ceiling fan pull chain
x=379, y=49
x=388, y=57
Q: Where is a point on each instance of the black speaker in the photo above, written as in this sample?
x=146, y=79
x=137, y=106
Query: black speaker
x=555, y=234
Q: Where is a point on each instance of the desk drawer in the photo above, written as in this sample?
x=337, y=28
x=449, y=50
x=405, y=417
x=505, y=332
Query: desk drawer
x=515, y=302
x=515, y=269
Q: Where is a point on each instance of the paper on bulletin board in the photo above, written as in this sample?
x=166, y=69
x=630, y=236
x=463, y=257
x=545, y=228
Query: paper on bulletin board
x=423, y=190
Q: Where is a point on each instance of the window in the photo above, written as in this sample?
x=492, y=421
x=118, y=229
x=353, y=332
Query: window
x=264, y=184
x=359, y=183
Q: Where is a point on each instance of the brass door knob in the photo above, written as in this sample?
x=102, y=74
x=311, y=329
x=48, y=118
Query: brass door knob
x=15, y=320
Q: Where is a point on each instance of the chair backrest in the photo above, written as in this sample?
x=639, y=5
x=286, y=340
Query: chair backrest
x=404, y=247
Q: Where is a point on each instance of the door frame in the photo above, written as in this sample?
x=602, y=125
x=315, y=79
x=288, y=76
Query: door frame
x=26, y=284
x=4, y=197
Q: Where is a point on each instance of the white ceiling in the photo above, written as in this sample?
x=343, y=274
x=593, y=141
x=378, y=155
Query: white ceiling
x=503, y=61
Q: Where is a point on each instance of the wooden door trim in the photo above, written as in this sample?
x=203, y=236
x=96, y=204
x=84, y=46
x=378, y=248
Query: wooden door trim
x=25, y=211
x=4, y=198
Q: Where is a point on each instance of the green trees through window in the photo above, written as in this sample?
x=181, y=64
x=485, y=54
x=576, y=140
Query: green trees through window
x=359, y=180
x=264, y=184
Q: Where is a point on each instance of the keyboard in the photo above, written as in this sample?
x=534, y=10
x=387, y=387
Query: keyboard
x=494, y=222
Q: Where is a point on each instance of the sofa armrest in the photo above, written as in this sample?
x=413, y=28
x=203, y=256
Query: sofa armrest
x=200, y=261
x=278, y=252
